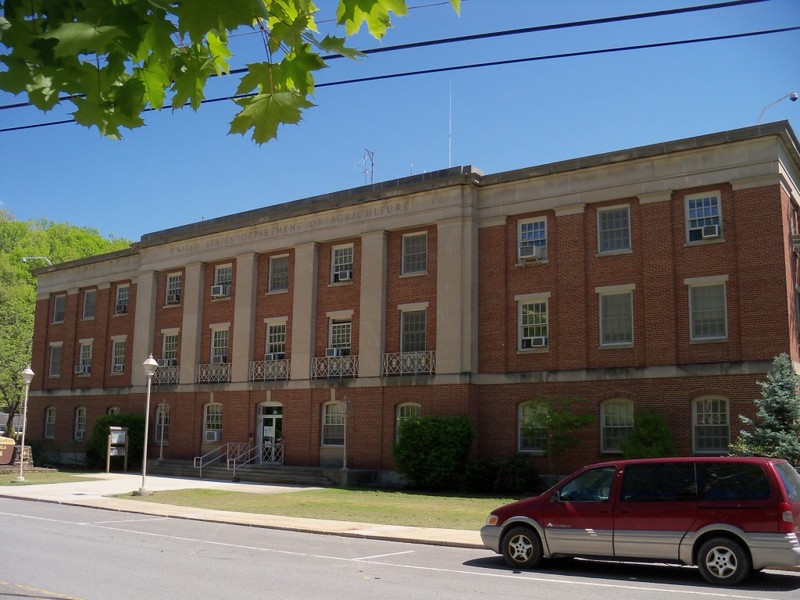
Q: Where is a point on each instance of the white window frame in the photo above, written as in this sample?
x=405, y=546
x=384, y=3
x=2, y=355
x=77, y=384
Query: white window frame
x=59, y=308
x=277, y=274
x=405, y=410
x=169, y=344
x=276, y=336
x=408, y=343
x=162, y=422
x=174, y=289
x=85, y=353
x=333, y=423
x=541, y=329
x=212, y=418
x=695, y=283
x=342, y=259
x=340, y=334
x=118, y=354
x=220, y=340
x=50, y=422
x=122, y=298
x=618, y=292
x=526, y=410
x=414, y=261
x=709, y=413
x=696, y=217
x=89, y=308
x=532, y=232
x=603, y=231
x=113, y=410
x=79, y=432
x=616, y=423
x=56, y=354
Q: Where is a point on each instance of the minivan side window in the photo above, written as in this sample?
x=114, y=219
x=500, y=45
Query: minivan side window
x=591, y=486
x=732, y=481
x=790, y=479
x=659, y=482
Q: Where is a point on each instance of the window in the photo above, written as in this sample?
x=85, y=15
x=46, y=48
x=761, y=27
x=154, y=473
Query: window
x=593, y=485
x=703, y=217
x=223, y=277
x=161, y=432
x=169, y=349
x=59, y=308
x=408, y=410
x=113, y=410
x=279, y=273
x=84, y=358
x=50, y=423
x=342, y=263
x=123, y=298
x=613, y=229
x=89, y=299
x=340, y=335
x=118, y=356
x=55, y=360
x=533, y=322
x=732, y=481
x=276, y=339
x=531, y=435
x=532, y=238
x=616, y=319
x=616, y=424
x=659, y=482
x=212, y=423
x=412, y=335
x=80, y=423
x=711, y=429
x=333, y=416
x=219, y=346
x=174, y=288
x=707, y=308
x=415, y=253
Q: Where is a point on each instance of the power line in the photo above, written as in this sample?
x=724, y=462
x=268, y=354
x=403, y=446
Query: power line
x=496, y=63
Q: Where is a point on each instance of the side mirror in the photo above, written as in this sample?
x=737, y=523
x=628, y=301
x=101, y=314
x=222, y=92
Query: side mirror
x=556, y=497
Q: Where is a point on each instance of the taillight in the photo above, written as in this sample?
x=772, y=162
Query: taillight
x=786, y=524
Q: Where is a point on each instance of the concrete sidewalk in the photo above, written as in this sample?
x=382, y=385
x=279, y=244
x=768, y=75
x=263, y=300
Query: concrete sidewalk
x=98, y=493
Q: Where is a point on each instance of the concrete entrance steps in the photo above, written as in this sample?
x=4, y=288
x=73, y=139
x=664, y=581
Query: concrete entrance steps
x=307, y=476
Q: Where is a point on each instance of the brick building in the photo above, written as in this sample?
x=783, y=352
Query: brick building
x=658, y=277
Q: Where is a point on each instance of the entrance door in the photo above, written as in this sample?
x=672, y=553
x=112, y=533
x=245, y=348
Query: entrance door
x=270, y=433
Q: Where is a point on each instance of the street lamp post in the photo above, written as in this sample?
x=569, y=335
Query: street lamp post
x=791, y=95
x=149, y=366
x=27, y=377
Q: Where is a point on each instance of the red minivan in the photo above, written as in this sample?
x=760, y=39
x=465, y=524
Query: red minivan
x=729, y=516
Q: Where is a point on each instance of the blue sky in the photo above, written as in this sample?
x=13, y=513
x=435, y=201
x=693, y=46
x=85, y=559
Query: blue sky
x=183, y=167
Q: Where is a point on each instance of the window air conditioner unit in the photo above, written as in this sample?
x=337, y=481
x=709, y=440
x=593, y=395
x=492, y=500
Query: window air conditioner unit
x=333, y=352
x=121, y=309
x=532, y=252
x=83, y=370
x=344, y=276
x=538, y=341
x=212, y=435
x=274, y=356
x=220, y=291
x=796, y=242
x=710, y=232
x=218, y=360
x=167, y=362
x=173, y=299
x=117, y=368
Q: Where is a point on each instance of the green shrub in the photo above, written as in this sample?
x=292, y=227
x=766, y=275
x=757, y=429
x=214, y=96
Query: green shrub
x=509, y=475
x=650, y=437
x=432, y=451
x=97, y=446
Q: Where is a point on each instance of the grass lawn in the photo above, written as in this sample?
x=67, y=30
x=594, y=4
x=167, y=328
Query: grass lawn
x=341, y=504
x=38, y=477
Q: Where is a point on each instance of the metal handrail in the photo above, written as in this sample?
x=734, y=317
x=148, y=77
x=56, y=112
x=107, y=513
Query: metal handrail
x=200, y=461
x=244, y=453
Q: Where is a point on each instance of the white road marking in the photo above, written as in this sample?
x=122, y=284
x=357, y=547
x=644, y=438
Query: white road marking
x=383, y=555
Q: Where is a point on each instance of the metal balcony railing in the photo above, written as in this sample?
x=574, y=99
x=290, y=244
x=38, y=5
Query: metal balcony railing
x=167, y=375
x=330, y=367
x=409, y=363
x=213, y=373
x=269, y=370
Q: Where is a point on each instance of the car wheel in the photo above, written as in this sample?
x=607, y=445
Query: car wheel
x=522, y=548
x=723, y=561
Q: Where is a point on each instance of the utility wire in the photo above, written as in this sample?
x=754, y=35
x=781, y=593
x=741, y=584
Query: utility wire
x=495, y=34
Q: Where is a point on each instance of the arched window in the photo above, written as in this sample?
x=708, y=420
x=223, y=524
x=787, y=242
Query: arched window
x=616, y=423
x=333, y=416
x=50, y=423
x=407, y=410
x=112, y=410
x=710, y=425
x=212, y=423
x=531, y=435
x=80, y=423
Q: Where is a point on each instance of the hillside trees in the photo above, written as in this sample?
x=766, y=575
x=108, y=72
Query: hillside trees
x=43, y=239
x=114, y=59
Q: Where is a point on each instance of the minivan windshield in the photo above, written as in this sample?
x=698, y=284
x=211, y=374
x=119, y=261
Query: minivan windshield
x=791, y=480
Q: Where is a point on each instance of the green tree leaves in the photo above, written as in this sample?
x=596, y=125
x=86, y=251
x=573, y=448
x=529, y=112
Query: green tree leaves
x=115, y=59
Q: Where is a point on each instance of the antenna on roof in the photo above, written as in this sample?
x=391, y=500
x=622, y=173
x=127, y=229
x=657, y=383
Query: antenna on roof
x=369, y=155
x=450, y=129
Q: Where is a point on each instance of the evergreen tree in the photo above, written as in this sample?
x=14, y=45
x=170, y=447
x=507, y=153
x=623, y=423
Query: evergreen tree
x=775, y=431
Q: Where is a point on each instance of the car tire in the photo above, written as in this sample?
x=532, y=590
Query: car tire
x=723, y=561
x=522, y=547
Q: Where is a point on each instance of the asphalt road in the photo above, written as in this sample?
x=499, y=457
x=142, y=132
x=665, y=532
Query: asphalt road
x=67, y=552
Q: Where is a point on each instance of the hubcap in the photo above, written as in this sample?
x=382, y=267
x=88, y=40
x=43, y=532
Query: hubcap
x=520, y=547
x=721, y=562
